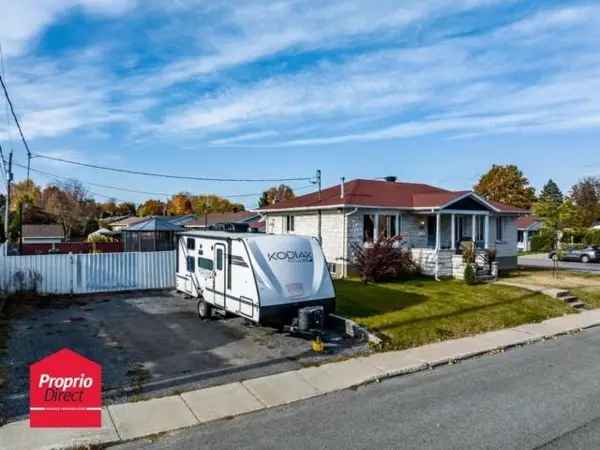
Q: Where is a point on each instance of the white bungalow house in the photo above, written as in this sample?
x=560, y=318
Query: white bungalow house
x=432, y=222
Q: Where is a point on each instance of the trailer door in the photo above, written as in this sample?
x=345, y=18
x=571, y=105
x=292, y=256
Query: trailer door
x=220, y=279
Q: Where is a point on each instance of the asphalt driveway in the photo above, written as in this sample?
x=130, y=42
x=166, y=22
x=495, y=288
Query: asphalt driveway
x=148, y=344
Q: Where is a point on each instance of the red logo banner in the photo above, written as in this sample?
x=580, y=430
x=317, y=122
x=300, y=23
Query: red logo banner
x=65, y=391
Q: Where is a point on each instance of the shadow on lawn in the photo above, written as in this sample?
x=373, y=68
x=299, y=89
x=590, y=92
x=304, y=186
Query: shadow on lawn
x=378, y=299
x=473, y=309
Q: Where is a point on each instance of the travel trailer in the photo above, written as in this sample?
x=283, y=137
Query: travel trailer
x=264, y=278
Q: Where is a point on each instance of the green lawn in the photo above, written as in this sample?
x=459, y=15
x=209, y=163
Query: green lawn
x=411, y=313
x=588, y=295
x=586, y=286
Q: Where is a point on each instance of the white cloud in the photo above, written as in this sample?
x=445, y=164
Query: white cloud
x=23, y=20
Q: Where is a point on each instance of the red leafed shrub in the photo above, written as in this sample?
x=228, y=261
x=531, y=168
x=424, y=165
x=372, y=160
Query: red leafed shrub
x=383, y=260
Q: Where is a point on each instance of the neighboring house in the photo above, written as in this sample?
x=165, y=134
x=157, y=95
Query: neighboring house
x=43, y=234
x=432, y=221
x=527, y=227
x=253, y=219
x=122, y=224
x=596, y=225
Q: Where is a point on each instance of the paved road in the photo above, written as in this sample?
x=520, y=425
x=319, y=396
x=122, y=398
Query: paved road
x=542, y=261
x=540, y=396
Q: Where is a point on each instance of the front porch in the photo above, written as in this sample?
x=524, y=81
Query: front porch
x=447, y=232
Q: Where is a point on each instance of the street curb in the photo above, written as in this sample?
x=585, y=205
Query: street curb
x=353, y=373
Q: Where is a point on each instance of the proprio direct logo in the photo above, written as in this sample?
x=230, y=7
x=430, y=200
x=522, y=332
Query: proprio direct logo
x=291, y=256
x=65, y=390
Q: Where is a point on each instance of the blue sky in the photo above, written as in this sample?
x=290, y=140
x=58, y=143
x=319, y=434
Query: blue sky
x=434, y=91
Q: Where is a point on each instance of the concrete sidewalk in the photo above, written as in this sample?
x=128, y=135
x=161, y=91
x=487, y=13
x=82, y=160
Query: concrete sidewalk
x=135, y=420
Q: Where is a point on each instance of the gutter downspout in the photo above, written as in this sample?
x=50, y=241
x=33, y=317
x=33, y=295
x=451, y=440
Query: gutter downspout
x=344, y=241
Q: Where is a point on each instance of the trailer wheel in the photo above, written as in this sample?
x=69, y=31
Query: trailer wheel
x=204, y=310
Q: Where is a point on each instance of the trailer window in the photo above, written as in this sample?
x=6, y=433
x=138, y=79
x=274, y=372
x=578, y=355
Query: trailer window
x=205, y=263
x=190, y=263
x=219, y=259
x=191, y=243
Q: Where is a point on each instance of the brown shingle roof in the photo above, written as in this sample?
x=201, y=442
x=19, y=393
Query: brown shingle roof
x=381, y=194
x=523, y=223
x=43, y=231
x=213, y=218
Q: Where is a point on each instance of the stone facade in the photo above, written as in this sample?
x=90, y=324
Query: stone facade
x=342, y=230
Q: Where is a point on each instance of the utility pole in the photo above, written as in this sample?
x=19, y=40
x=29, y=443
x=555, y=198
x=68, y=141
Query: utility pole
x=9, y=178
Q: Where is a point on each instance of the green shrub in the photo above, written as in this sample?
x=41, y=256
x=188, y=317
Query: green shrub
x=592, y=237
x=574, y=236
x=470, y=275
x=544, y=241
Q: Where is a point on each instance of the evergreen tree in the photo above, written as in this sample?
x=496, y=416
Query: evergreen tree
x=552, y=194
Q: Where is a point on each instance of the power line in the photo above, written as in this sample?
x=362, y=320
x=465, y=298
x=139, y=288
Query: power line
x=164, y=175
x=119, y=188
x=12, y=110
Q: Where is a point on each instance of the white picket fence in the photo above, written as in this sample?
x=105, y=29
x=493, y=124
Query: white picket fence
x=83, y=273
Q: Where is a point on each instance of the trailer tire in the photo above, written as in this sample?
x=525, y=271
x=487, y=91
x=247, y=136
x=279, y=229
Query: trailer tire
x=204, y=310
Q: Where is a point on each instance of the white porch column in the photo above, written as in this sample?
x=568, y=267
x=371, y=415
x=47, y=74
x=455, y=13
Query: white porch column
x=397, y=230
x=438, y=231
x=526, y=241
x=474, y=224
x=376, y=230
x=487, y=231
x=453, y=232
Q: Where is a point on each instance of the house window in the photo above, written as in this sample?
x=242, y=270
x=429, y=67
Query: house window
x=387, y=226
x=401, y=225
x=191, y=243
x=368, y=227
x=521, y=236
x=480, y=228
x=499, y=229
x=205, y=263
x=289, y=223
x=190, y=264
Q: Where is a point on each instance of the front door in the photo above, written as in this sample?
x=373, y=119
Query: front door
x=220, y=279
x=431, y=230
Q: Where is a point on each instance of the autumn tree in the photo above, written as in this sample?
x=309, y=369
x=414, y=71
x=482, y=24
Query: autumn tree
x=275, y=194
x=506, y=184
x=70, y=203
x=108, y=208
x=586, y=197
x=152, y=207
x=125, y=209
x=206, y=204
x=180, y=204
x=24, y=192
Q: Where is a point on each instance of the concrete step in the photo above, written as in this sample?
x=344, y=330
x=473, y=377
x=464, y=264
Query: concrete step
x=577, y=305
x=569, y=299
x=563, y=294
